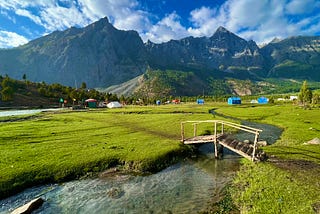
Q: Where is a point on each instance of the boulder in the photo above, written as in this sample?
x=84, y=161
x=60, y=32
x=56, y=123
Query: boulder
x=262, y=143
x=29, y=207
x=115, y=193
x=314, y=141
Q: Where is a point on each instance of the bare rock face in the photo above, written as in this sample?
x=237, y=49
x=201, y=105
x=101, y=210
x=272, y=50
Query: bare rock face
x=224, y=51
x=29, y=207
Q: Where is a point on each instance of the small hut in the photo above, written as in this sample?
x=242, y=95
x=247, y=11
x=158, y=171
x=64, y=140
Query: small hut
x=234, y=100
x=91, y=103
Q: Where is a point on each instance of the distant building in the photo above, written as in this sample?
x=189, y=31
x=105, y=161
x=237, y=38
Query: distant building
x=234, y=100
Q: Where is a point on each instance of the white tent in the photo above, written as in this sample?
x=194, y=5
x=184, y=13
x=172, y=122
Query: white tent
x=115, y=104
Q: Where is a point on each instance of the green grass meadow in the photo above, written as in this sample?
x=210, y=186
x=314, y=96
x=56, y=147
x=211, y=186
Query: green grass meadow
x=290, y=184
x=60, y=146
x=54, y=147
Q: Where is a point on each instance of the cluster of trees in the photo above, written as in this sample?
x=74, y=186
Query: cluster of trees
x=306, y=97
x=8, y=87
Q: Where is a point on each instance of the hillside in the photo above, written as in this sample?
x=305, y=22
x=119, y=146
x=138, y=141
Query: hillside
x=26, y=94
x=166, y=83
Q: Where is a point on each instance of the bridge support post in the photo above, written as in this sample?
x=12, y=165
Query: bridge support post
x=222, y=128
x=216, y=152
x=182, y=132
x=255, y=145
x=195, y=129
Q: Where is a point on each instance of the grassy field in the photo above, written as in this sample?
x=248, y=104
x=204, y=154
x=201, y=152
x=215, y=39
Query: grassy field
x=289, y=182
x=54, y=147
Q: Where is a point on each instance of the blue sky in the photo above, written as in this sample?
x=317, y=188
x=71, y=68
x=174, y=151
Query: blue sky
x=161, y=20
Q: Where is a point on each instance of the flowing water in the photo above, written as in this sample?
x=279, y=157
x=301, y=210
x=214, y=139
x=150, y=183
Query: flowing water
x=24, y=112
x=188, y=187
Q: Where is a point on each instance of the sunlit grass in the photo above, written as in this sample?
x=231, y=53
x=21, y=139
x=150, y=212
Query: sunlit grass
x=264, y=188
x=268, y=187
x=54, y=147
x=59, y=146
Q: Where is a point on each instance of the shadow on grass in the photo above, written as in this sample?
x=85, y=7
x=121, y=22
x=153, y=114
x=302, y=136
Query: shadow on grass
x=299, y=152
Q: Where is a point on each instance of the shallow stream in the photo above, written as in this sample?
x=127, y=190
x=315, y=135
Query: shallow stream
x=188, y=187
x=7, y=113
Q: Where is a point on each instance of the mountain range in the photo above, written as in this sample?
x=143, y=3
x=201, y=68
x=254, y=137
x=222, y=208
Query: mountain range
x=102, y=56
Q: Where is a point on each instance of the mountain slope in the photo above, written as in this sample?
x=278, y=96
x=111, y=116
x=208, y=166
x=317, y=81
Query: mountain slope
x=295, y=57
x=224, y=51
x=98, y=54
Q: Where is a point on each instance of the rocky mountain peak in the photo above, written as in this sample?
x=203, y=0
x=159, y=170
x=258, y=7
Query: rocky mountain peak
x=222, y=34
x=221, y=29
x=276, y=40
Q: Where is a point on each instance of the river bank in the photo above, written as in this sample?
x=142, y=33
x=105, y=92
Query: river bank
x=288, y=182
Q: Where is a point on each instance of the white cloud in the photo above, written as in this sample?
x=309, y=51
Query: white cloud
x=11, y=39
x=60, y=18
x=123, y=14
x=296, y=7
x=166, y=29
x=28, y=14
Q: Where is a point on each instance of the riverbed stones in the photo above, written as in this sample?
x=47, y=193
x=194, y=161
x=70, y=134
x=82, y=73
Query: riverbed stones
x=115, y=193
x=262, y=143
x=29, y=207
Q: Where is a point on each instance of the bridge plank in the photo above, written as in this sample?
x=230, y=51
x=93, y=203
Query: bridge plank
x=201, y=139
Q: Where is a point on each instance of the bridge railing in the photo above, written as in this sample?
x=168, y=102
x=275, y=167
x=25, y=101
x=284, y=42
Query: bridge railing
x=248, y=129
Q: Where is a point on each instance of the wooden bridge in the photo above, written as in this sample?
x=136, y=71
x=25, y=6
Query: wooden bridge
x=247, y=150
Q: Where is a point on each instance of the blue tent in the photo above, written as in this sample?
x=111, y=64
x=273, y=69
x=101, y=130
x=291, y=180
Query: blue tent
x=262, y=100
x=234, y=100
x=158, y=102
x=200, y=101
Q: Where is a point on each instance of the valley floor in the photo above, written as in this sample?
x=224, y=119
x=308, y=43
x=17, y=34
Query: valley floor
x=59, y=146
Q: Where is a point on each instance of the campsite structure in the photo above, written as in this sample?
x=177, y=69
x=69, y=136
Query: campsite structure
x=91, y=103
x=114, y=104
x=263, y=100
x=234, y=100
x=200, y=101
